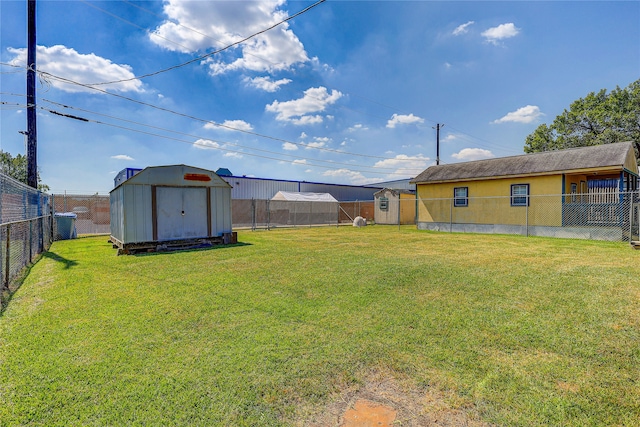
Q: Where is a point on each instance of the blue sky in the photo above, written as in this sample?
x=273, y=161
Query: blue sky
x=347, y=92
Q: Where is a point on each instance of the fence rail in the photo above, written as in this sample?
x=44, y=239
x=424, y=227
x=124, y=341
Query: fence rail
x=267, y=214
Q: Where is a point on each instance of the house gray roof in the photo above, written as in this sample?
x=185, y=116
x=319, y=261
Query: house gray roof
x=597, y=156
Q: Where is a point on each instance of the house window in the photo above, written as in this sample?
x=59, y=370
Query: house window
x=384, y=204
x=574, y=190
x=461, y=196
x=520, y=195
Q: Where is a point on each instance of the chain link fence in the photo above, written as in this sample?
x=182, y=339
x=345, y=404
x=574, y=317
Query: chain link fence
x=598, y=216
x=25, y=230
x=605, y=215
x=267, y=214
x=92, y=211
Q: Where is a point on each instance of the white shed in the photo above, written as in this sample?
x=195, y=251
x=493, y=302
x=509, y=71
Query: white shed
x=393, y=206
x=170, y=206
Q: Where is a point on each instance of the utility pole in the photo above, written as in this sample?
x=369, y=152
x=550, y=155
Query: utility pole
x=437, y=128
x=32, y=134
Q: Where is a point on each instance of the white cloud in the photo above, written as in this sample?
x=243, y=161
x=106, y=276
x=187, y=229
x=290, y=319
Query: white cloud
x=527, y=114
x=122, y=157
x=230, y=125
x=265, y=83
x=503, y=31
x=306, y=120
x=356, y=127
x=462, y=29
x=355, y=178
x=300, y=162
x=318, y=142
x=237, y=124
x=405, y=165
x=289, y=146
x=206, y=144
x=450, y=137
x=296, y=111
x=469, y=154
x=233, y=154
x=90, y=68
x=403, y=119
x=220, y=24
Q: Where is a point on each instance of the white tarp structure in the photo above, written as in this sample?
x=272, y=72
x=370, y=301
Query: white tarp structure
x=304, y=197
x=303, y=208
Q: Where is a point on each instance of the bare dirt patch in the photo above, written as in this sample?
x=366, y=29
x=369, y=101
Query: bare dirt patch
x=385, y=401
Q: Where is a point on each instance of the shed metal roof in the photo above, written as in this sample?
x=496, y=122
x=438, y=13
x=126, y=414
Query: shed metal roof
x=598, y=156
x=176, y=175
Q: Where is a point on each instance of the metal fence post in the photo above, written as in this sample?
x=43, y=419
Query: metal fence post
x=7, y=257
x=399, y=208
x=253, y=214
x=268, y=215
x=30, y=240
x=527, y=216
x=451, y=215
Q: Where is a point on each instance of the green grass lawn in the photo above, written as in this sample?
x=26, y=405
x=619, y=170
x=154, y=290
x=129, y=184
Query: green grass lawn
x=513, y=331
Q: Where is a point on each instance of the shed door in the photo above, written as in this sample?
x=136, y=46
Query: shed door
x=181, y=212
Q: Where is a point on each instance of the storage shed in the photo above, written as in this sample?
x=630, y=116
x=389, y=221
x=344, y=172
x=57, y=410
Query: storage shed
x=393, y=206
x=175, y=206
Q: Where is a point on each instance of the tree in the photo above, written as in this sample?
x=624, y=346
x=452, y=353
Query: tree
x=599, y=118
x=16, y=168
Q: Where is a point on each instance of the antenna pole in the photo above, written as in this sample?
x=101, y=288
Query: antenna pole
x=437, y=128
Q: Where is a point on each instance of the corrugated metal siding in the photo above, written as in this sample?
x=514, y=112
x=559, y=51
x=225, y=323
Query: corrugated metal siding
x=343, y=193
x=400, y=184
x=116, y=214
x=220, y=211
x=138, y=224
x=254, y=188
x=265, y=189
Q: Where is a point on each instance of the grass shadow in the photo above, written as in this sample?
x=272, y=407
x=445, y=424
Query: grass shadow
x=67, y=262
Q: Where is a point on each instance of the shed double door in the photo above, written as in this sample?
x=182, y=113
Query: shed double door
x=181, y=212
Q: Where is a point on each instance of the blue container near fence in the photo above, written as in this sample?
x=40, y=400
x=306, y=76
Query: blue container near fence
x=65, y=225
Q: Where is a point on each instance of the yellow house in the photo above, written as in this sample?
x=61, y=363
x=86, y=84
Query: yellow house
x=577, y=187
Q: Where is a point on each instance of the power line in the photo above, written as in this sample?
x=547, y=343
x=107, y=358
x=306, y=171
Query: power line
x=176, y=22
x=368, y=170
x=490, y=144
x=130, y=23
x=68, y=81
x=200, y=58
x=200, y=137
